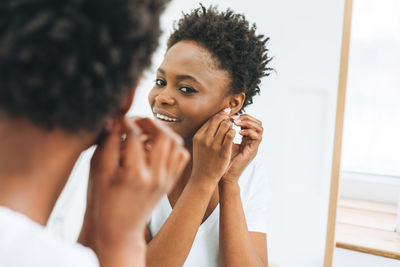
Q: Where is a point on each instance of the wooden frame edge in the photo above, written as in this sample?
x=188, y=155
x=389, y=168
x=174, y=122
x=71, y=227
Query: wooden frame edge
x=337, y=147
x=371, y=251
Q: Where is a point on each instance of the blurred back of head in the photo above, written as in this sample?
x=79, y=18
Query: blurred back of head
x=68, y=63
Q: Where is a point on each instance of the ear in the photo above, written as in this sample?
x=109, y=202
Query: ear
x=236, y=102
x=127, y=99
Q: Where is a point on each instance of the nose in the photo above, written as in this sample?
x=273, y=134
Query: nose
x=164, y=99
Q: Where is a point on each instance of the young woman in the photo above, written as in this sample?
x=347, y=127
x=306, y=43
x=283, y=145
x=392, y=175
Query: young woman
x=216, y=213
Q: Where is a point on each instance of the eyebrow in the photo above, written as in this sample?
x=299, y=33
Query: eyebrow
x=180, y=77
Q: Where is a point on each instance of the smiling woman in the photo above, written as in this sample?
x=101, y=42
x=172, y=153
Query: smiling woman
x=211, y=70
x=188, y=88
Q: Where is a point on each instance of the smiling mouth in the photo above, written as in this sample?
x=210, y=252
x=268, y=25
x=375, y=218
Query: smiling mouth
x=165, y=118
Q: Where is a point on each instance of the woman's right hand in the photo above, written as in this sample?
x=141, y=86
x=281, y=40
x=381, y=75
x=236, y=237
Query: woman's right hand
x=212, y=148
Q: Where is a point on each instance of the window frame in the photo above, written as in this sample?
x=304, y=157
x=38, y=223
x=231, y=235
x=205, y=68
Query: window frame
x=369, y=186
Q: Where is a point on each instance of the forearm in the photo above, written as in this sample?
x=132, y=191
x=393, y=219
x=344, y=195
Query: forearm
x=172, y=244
x=236, y=245
x=128, y=255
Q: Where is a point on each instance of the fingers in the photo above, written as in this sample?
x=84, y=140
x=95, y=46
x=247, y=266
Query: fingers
x=106, y=157
x=164, y=140
x=159, y=153
x=151, y=128
x=215, y=121
x=209, y=129
x=223, y=129
x=168, y=157
x=252, y=134
x=203, y=129
x=247, y=117
x=132, y=149
x=147, y=142
x=150, y=146
x=247, y=124
x=228, y=141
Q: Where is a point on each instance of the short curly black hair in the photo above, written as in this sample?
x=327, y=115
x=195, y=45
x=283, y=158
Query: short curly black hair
x=232, y=41
x=68, y=63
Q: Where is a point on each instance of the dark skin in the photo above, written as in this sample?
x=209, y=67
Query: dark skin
x=192, y=96
x=25, y=157
x=35, y=165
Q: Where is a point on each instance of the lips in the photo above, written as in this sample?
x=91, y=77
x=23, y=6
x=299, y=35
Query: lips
x=165, y=116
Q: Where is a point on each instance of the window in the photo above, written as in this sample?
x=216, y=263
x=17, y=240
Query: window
x=370, y=166
x=371, y=137
x=371, y=140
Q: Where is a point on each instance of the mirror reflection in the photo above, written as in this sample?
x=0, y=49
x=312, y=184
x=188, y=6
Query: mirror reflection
x=296, y=106
x=214, y=151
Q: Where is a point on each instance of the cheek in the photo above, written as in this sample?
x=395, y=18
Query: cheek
x=151, y=96
x=198, y=111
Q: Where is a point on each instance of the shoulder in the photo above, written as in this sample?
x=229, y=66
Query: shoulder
x=26, y=243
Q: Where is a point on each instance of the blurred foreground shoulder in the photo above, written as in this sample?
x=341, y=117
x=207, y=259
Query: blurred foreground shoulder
x=24, y=243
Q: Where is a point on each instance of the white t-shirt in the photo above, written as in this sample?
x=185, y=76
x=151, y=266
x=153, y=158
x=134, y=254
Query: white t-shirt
x=24, y=243
x=205, y=249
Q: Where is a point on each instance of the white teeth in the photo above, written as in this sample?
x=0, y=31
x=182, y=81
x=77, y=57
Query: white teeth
x=165, y=118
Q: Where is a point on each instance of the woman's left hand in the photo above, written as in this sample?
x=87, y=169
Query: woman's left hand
x=243, y=153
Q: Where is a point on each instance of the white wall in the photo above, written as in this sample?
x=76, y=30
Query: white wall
x=297, y=107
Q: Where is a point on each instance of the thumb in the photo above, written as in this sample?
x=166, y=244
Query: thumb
x=105, y=159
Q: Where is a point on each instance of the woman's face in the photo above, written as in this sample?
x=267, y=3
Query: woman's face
x=189, y=88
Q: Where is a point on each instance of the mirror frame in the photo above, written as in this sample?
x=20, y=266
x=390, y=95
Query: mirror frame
x=337, y=145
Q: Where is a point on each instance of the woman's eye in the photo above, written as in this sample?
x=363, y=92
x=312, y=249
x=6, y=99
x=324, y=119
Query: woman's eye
x=187, y=90
x=160, y=82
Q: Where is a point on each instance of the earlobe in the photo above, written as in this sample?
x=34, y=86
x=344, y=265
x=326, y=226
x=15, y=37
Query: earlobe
x=236, y=102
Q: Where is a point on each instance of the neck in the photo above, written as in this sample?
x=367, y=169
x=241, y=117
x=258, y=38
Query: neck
x=35, y=165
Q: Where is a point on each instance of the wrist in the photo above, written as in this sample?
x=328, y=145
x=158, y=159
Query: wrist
x=229, y=186
x=229, y=178
x=115, y=237
x=137, y=244
x=203, y=184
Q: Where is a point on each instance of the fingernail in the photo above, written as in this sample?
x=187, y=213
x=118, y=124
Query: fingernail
x=227, y=110
x=135, y=127
x=235, y=117
x=237, y=121
x=147, y=146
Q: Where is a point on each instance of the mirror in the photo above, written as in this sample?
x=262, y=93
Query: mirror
x=298, y=108
x=368, y=197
